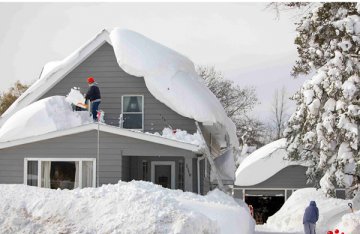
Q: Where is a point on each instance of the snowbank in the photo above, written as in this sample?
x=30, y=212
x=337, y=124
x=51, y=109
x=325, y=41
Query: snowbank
x=333, y=213
x=134, y=207
x=47, y=115
x=268, y=160
x=180, y=135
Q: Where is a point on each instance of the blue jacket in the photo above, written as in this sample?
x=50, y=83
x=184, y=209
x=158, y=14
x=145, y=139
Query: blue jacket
x=311, y=214
x=93, y=93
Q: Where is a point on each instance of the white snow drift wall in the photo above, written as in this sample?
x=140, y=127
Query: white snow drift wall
x=170, y=77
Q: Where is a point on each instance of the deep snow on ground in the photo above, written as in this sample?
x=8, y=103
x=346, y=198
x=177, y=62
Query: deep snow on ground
x=126, y=207
x=333, y=213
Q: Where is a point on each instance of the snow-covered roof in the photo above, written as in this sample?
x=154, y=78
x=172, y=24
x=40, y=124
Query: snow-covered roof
x=104, y=128
x=263, y=163
x=170, y=77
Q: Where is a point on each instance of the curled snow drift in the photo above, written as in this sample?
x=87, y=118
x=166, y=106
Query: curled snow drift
x=268, y=160
x=134, y=207
x=47, y=115
x=333, y=213
x=170, y=77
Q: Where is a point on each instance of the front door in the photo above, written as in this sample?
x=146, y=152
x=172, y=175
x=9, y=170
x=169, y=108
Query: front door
x=163, y=173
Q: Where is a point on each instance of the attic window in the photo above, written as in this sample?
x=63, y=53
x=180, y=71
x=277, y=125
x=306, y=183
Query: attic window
x=133, y=111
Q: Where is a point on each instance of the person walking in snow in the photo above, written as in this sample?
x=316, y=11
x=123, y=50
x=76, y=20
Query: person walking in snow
x=93, y=94
x=310, y=218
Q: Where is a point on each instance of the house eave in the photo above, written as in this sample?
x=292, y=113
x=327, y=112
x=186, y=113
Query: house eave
x=104, y=128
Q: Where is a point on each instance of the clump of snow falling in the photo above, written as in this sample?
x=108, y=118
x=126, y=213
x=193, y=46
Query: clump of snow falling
x=46, y=115
x=133, y=207
x=170, y=77
x=75, y=97
x=180, y=135
x=333, y=213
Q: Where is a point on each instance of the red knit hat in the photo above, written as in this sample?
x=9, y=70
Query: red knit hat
x=90, y=80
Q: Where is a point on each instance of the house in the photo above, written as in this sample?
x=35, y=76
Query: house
x=150, y=88
x=266, y=179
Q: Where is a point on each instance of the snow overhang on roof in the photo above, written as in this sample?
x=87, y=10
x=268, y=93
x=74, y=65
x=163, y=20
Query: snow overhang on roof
x=170, y=77
x=263, y=164
x=105, y=128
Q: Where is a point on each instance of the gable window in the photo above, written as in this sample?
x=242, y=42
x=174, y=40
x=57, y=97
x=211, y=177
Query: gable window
x=60, y=173
x=133, y=111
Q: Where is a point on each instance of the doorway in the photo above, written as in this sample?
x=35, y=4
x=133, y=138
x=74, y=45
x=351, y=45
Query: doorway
x=264, y=206
x=163, y=173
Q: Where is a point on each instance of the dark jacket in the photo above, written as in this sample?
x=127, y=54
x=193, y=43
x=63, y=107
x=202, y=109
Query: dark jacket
x=93, y=93
x=311, y=214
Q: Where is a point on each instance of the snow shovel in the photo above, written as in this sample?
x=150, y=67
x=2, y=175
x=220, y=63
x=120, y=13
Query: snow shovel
x=82, y=105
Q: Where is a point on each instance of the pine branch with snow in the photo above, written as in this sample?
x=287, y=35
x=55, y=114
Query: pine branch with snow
x=324, y=128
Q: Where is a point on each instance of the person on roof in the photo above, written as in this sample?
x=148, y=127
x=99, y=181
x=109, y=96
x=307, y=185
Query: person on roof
x=93, y=94
x=310, y=218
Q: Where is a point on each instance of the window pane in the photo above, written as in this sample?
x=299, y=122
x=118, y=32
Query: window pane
x=87, y=174
x=32, y=173
x=45, y=174
x=132, y=121
x=63, y=174
x=132, y=104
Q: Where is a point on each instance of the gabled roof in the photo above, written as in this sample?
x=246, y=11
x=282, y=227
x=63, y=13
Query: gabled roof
x=105, y=128
x=47, y=80
x=263, y=163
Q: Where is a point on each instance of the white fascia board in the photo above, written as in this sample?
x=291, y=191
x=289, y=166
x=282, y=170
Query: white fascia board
x=108, y=129
x=53, y=78
x=46, y=136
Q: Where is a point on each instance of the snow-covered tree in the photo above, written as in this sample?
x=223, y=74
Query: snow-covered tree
x=324, y=130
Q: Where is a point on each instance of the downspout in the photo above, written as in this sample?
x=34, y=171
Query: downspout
x=98, y=154
x=210, y=159
x=198, y=172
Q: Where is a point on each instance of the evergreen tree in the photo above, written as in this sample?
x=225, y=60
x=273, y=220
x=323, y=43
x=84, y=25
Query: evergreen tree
x=323, y=131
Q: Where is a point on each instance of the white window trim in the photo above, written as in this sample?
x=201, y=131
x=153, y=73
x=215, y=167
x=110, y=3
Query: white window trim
x=142, y=111
x=169, y=163
x=40, y=160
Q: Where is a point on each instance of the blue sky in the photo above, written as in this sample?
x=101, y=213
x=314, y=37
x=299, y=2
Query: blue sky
x=243, y=40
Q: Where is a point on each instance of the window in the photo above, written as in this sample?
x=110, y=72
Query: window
x=63, y=173
x=132, y=111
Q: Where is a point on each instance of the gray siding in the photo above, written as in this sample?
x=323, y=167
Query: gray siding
x=113, y=83
x=289, y=177
x=83, y=145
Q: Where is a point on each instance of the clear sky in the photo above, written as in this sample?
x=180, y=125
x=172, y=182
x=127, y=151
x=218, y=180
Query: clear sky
x=243, y=40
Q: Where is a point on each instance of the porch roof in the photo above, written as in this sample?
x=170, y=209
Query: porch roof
x=105, y=128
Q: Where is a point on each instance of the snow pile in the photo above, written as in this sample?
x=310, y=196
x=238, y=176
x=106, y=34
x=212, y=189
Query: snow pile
x=180, y=135
x=269, y=159
x=333, y=213
x=171, y=78
x=134, y=207
x=46, y=115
